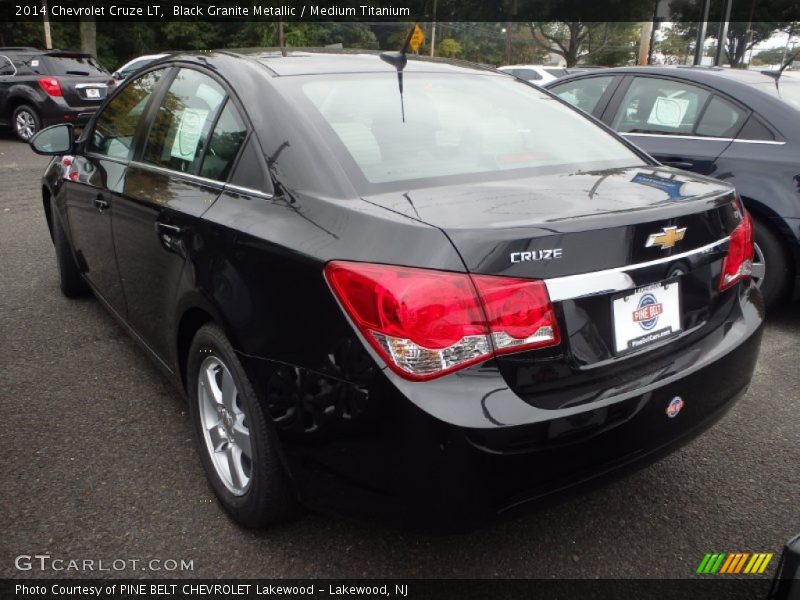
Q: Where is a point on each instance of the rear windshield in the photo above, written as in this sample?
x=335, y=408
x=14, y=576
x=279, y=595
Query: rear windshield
x=455, y=125
x=86, y=66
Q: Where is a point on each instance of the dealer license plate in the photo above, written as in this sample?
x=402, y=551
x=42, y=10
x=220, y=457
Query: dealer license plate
x=647, y=315
x=92, y=93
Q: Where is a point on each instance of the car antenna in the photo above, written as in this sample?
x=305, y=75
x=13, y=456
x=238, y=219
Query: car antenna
x=776, y=75
x=398, y=60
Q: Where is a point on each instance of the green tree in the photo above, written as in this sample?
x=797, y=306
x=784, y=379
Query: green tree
x=449, y=48
x=577, y=41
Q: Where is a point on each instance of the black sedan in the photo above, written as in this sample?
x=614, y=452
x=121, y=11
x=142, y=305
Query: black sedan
x=736, y=125
x=428, y=303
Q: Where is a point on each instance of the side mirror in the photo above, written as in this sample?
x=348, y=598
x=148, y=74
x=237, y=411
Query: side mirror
x=57, y=139
x=117, y=75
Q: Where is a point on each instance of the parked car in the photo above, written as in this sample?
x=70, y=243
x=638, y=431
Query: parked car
x=536, y=74
x=430, y=304
x=44, y=87
x=130, y=67
x=737, y=125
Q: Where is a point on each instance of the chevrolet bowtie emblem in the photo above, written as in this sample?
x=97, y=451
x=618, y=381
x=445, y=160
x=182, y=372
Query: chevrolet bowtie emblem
x=666, y=238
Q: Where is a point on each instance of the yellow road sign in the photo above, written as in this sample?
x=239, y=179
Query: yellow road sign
x=417, y=38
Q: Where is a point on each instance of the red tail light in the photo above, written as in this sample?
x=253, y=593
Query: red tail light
x=427, y=323
x=51, y=86
x=738, y=265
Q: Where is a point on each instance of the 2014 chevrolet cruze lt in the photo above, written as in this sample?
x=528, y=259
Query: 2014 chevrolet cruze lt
x=429, y=304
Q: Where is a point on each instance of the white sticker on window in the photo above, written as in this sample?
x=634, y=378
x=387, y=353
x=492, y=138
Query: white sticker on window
x=668, y=112
x=34, y=63
x=184, y=147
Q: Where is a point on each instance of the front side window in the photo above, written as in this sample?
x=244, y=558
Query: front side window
x=182, y=126
x=653, y=105
x=117, y=123
x=584, y=93
x=457, y=126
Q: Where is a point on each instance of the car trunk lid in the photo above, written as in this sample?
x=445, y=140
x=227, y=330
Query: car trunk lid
x=620, y=250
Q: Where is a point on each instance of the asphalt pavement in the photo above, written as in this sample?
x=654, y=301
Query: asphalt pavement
x=98, y=461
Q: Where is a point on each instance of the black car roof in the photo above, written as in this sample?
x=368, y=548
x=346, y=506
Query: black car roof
x=723, y=78
x=326, y=62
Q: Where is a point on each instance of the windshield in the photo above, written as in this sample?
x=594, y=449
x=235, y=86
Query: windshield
x=454, y=125
x=74, y=65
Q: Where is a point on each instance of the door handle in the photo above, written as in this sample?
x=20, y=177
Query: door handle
x=168, y=230
x=679, y=164
x=101, y=203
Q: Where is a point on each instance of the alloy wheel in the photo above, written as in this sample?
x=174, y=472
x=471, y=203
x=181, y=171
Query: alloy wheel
x=25, y=124
x=224, y=424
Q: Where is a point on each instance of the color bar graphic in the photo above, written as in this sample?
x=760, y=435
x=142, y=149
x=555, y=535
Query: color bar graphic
x=734, y=563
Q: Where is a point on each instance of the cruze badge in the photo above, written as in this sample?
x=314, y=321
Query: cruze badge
x=666, y=238
x=547, y=254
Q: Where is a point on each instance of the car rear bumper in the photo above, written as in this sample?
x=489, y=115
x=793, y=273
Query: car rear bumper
x=452, y=454
x=56, y=110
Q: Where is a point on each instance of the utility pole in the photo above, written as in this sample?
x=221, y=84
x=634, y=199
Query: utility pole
x=433, y=30
x=701, y=34
x=644, y=43
x=48, y=39
x=722, y=35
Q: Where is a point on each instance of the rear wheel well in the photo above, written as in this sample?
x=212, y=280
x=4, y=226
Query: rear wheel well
x=15, y=103
x=192, y=320
x=772, y=221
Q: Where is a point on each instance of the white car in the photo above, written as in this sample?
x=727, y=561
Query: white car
x=134, y=65
x=536, y=74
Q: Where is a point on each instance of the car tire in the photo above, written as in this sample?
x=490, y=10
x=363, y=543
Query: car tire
x=771, y=270
x=26, y=122
x=72, y=283
x=236, y=439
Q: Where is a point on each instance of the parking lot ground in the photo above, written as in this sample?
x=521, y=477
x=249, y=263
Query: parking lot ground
x=98, y=460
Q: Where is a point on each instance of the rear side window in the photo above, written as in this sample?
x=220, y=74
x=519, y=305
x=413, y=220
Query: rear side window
x=584, y=93
x=117, y=123
x=229, y=133
x=720, y=119
x=755, y=129
x=182, y=126
x=73, y=64
x=6, y=68
x=654, y=105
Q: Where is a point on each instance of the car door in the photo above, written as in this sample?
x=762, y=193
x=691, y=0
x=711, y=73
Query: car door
x=680, y=124
x=94, y=180
x=178, y=173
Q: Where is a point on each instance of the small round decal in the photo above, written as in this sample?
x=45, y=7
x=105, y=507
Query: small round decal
x=674, y=407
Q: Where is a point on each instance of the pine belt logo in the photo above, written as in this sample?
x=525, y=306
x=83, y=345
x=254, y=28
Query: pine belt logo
x=646, y=313
x=734, y=563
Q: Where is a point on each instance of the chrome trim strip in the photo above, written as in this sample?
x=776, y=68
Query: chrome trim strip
x=700, y=137
x=189, y=176
x=240, y=189
x=81, y=86
x=768, y=142
x=679, y=137
x=617, y=279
